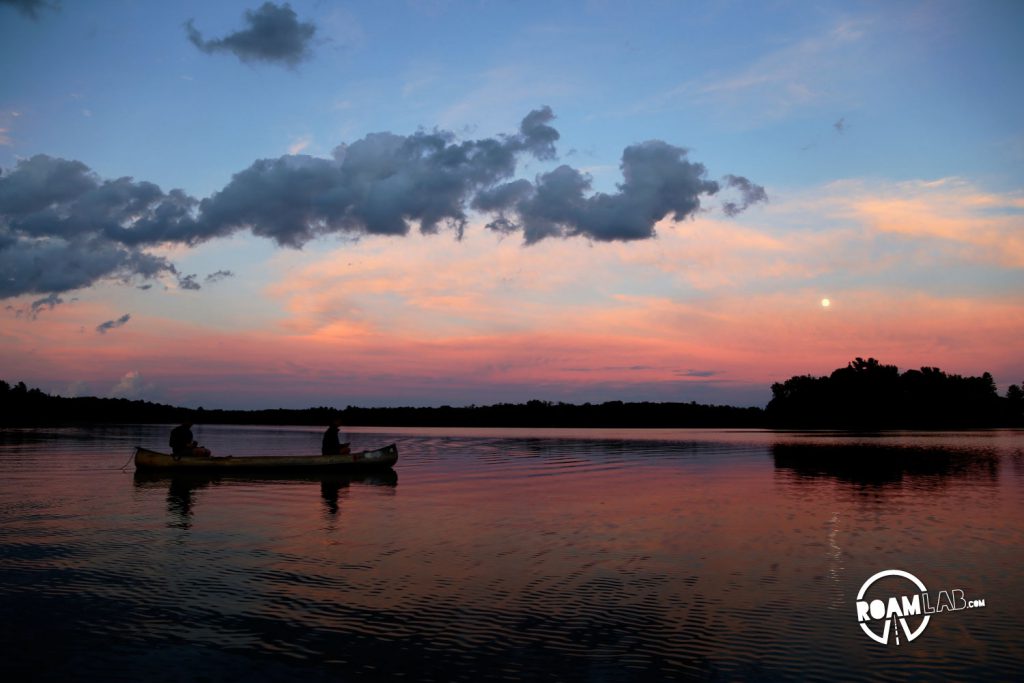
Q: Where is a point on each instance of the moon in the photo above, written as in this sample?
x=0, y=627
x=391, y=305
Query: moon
x=825, y=303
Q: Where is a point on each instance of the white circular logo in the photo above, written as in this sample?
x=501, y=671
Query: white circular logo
x=894, y=610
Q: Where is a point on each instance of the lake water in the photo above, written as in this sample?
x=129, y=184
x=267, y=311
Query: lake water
x=563, y=555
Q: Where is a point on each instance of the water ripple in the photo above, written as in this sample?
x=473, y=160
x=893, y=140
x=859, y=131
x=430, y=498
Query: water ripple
x=505, y=556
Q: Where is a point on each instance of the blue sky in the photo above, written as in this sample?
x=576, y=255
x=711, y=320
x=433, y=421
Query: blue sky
x=924, y=89
x=849, y=114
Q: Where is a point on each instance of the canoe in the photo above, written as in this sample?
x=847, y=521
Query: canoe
x=146, y=459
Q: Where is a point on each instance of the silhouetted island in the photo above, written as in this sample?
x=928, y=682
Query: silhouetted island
x=869, y=395
x=863, y=395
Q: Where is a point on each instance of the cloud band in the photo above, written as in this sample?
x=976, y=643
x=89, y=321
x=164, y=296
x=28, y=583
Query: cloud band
x=62, y=227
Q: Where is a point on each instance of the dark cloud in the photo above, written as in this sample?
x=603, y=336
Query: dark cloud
x=218, y=276
x=188, y=282
x=377, y=185
x=536, y=136
x=32, y=310
x=103, y=328
x=63, y=228
x=659, y=181
x=273, y=34
x=497, y=199
x=30, y=8
x=47, y=303
x=749, y=194
x=46, y=197
x=697, y=373
x=59, y=265
x=502, y=196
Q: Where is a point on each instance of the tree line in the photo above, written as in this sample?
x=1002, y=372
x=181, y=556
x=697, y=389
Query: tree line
x=20, y=405
x=869, y=395
x=863, y=395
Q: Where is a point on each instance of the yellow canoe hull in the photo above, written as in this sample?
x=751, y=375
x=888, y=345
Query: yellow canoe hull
x=146, y=459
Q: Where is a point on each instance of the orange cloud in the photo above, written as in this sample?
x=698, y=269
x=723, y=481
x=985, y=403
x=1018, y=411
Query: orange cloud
x=633, y=341
x=971, y=225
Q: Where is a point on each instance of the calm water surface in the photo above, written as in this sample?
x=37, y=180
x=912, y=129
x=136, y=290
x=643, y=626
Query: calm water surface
x=509, y=554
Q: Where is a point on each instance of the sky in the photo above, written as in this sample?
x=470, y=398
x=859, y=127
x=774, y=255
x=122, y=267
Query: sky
x=258, y=205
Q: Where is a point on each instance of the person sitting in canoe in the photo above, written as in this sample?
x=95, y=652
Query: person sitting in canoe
x=183, y=443
x=331, y=444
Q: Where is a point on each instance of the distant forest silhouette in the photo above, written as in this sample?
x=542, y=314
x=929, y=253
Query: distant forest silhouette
x=868, y=395
x=863, y=395
x=20, y=405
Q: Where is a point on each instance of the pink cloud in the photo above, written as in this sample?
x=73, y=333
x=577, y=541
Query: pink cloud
x=633, y=341
x=949, y=218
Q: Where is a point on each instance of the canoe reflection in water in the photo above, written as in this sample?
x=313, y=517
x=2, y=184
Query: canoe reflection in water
x=379, y=458
x=182, y=487
x=876, y=465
